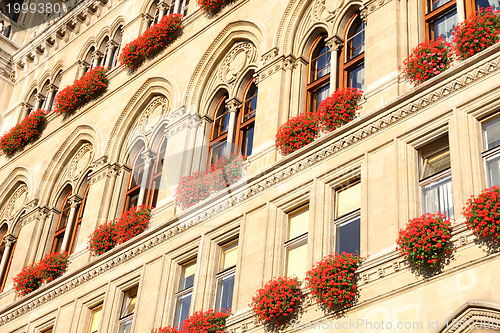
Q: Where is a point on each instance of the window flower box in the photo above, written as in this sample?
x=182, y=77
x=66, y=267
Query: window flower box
x=200, y=185
x=478, y=32
x=276, y=303
x=82, y=91
x=151, y=42
x=118, y=231
x=427, y=60
x=333, y=280
x=296, y=133
x=23, y=133
x=35, y=275
x=209, y=321
x=339, y=108
x=482, y=214
x=211, y=7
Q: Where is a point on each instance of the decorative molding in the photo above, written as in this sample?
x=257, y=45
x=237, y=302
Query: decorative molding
x=102, y=170
x=282, y=62
x=372, y=6
x=235, y=61
x=80, y=161
x=38, y=213
x=17, y=201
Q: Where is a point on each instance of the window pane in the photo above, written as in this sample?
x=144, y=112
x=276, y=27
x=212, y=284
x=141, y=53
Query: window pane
x=438, y=197
x=348, y=200
x=247, y=140
x=321, y=64
x=318, y=96
x=129, y=301
x=229, y=255
x=182, y=308
x=491, y=133
x=95, y=319
x=296, y=259
x=488, y=3
x=348, y=236
x=493, y=166
x=443, y=25
x=126, y=326
x=298, y=224
x=225, y=289
x=356, y=43
x=356, y=77
x=435, y=4
x=436, y=163
x=187, y=277
x=218, y=150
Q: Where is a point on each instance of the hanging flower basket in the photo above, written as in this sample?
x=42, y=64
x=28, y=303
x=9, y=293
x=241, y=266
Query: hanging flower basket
x=200, y=185
x=424, y=239
x=82, y=91
x=478, y=32
x=333, y=280
x=111, y=233
x=277, y=302
x=482, y=213
x=427, y=60
x=339, y=108
x=210, y=321
x=23, y=133
x=33, y=276
x=296, y=133
x=151, y=42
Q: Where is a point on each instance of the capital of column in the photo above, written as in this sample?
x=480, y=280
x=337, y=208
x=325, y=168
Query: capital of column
x=111, y=45
x=83, y=65
x=162, y=6
x=8, y=240
x=233, y=104
x=148, y=155
x=39, y=98
x=334, y=43
x=74, y=201
x=26, y=107
x=52, y=88
x=96, y=55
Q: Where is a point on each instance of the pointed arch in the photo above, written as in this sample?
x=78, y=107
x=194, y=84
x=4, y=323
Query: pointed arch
x=473, y=312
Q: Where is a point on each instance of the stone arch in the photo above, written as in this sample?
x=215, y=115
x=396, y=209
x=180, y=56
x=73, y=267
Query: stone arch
x=32, y=88
x=473, y=317
x=202, y=81
x=58, y=68
x=89, y=44
x=14, y=198
x=59, y=171
x=124, y=133
x=117, y=24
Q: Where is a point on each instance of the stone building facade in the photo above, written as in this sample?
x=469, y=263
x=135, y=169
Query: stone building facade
x=352, y=188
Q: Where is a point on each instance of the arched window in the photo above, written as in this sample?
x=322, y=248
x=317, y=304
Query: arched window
x=135, y=181
x=246, y=120
x=220, y=129
x=159, y=9
x=154, y=188
x=116, y=46
x=318, y=87
x=353, y=55
x=62, y=222
x=79, y=217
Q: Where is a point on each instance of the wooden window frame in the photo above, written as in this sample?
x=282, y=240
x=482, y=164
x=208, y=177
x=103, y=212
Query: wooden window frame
x=181, y=293
x=289, y=243
x=126, y=298
x=244, y=125
x=491, y=153
x=225, y=272
x=345, y=65
x=221, y=137
x=314, y=84
x=432, y=15
x=92, y=313
x=151, y=198
x=78, y=220
x=136, y=189
x=60, y=231
x=3, y=279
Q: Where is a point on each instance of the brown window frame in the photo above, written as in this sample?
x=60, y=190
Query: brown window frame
x=3, y=279
x=136, y=188
x=242, y=124
x=60, y=231
x=347, y=65
x=221, y=136
x=313, y=84
x=297, y=241
x=78, y=221
x=431, y=15
x=156, y=174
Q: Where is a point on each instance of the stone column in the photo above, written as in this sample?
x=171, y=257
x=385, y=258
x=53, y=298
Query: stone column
x=162, y=8
x=177, y=8
x=8, y=240
x=110, y=48
x=233, y=105
x=39, y=215
x=148, y=157
x=82, y=68
x=25, y=110
x=38, y=102
x=50, y=99
x=335, y=45
x=96, y=58
x=74, y=201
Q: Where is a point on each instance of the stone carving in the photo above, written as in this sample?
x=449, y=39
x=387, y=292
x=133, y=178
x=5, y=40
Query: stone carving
x=81, y=161
x=152, y=115
x=17, y=201
x=236, y=60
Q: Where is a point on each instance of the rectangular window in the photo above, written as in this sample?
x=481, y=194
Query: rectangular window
x=435, y=178
x=95, y=318
x=491, y=153
x=226, y=276
x=488, y=3
x=185, y=293
x=440, y=18
x=347, y=218
x=296, y=242
x=48, y=330
x=127, y=310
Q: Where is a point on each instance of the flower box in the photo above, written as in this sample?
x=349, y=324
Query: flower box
x=33, y=276
x=23, y=133
x=296, y=133
x=339, y=108
x=482, y=213
x=333, y=280
x=427, y=60
x=478, y=32
x=118, y=231
x=210, y=321
x=166, y=329
x=82, y=91
x=212, y=6
x=277, y=302
x=200, y=185
x=424, y=239
x=151, y=42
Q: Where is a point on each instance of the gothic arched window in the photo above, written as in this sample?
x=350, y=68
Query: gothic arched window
x=353, y=55
x=220, y=130
x=246, y=121
x=318, y=87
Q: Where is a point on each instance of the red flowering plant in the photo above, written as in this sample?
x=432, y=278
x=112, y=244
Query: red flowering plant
x=200, y=185
x=333, y=280
x=118, y=231
x=23, y=133
x=152, y=41
x=277, y=302
x=424, y=239
x=32, y=276
x=339, y=108
x=211, y=6
x=209, y=322
x=478, y=32
x=82, y=91
x=482, y=213
x=296, y=133
x=166, y=329
x=427, y=60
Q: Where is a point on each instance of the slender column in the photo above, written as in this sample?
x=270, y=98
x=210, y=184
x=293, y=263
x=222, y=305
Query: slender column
x=50, y=99
x=83, y=66
x=162, y=8
x=110, y=48
x=96, y=57
x=25, y=110
x=233, y=106
x=148, y=156
x=8, y=240
x=335, y=45
x=177, y=8
x=73, y=201
x=38, y=102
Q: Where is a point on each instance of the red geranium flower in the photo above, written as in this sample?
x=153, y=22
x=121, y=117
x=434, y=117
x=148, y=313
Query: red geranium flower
x=482, y=213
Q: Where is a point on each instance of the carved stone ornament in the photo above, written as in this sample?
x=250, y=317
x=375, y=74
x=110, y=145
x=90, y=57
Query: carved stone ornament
x=17, y=201
x=319, y=11
x=81, y=161
x=236, y=60
x=152, y=115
